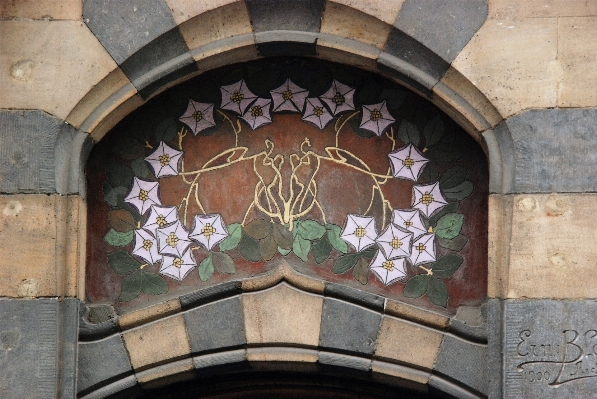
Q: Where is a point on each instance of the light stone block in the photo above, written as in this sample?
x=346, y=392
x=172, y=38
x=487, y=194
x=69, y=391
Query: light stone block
x=49, y=65
x=384, y=10
x=183, y=10
x=42, y=9
x=146, y=315
x=516, y=9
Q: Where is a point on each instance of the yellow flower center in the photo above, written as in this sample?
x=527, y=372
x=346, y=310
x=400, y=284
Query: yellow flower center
x=375, y=115
x=256, y=111
x=395, y=243
x=177, y=263
x=427, y=198
x=338, y=98
x=388, y=265
x=208, y=230
x=143, y=195
x=147, y=244
x=318, y=111
x=287, y=95
x=237, y=96
x=172, y=240
x=164, y=159
x=360, y=232
x=420, y=247
x=161, y=221
x=198, y=115
x=408, y=162
x=408, y=223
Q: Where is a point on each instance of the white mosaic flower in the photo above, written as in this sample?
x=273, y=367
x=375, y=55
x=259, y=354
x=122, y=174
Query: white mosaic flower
x=316, y=113
x=146, y=247
x=208, y=230
x=395, y=242
x=388, y=270
x=173, y=240
x=407, y=162
x=423, y=250
x=237, y=97
x=165, y=160
x=359, y=231
x=376, y=118
x=198, y=116
x=411, y=220
x=428, y=198
x=289, y=97
x=339, y=98
x=160, y=216
x=258, y=113
x=178, y=267
x=143, y=195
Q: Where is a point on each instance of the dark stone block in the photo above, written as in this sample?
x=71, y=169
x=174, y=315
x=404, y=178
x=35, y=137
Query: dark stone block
x=221, y=363
x=171, y=74
x=463, y=330
x=494, y=348
x=124, y=27
x=38, y=348
x=549, y=349
x=210, y=294
x=353, y=295
x=444, y=26
x=96, y=322
x=126, y=388
x=464, y=362
x=555, y=150
x=298, y=15
x=393, y=68
x=158, y=59
x=216, y=325
x=275, y=49
x=101, y=363
x=348, y=327
x=421, y=59
x=443, y=389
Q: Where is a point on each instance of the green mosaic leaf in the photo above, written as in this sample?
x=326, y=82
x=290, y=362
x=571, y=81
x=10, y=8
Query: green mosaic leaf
x=129, y=148
x=416, y=287
x=344, y=263
x=122, y=263
x=206, y=268
x=452, y=207
x=118, y=174
x=153, y=284
x=268, y=247
x=118, y=239
x=223, y=263
x=453, y=177
x=122, y=220
x=140, y=168
x=131, y=286
x=430, y=173
x=310, y=230
x=394, y=98
x=234, y=236
x=166, y=130
x=321, y=249
x=282, y=236
x=283, y=251
x=445, y=153
x=361, y=271
x=433, y=131
x=460, y=192
x=437, y=292
x=455, y=244
x=447, y=265
x=334, y=238
x=449, y=225
x=408, y=133
x=301, y=247
x=249, y=248
x=369, y=252
x=114, y=195
x=258, y=228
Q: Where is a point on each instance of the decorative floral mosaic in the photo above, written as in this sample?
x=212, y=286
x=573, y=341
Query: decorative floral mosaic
x=406, y=229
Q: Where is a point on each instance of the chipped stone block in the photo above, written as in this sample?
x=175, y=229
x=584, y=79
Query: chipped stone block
x=384, y=10
x=463, y=361
x=93, y=360
x=297, y=15
x=42, y=9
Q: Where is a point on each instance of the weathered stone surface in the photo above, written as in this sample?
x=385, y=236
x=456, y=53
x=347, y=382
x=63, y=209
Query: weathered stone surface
x=282, y=315
x=183, y=10
x=542, y=246
x=351, y=363
x=409, y=312
x=348, y=327
x=353, y=295
x=286, y=43
x=577, y=56
x=157, y=377
x=216, y=325
x=71, y=150
x=210, y=294
x=39, y=61
x=218, y=359
x=402, y=376
x=125, y=27
x=40, y=251
x=346, y=22
x=297, y=15
x=125, y=388
x=553, y=150
x=549, y=349
x=385, y=11
x=226, y=51
x=39, y=348
x=281, y=355
x=333, y=48
x=102, y=362
x=141, y=343
x=115, y=115
x=506, y=9
x=463, y=361
x=42, y=9
x=408, y=343
x=442, y=388
x=498, y=61
x=495, y=365
x=93, y=328
x=444, y=26
x=146, y=315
